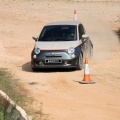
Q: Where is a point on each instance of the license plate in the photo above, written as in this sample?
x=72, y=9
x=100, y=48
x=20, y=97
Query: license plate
x=53, y=61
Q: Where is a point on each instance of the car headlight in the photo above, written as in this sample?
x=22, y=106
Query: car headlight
x=71, y=50
x=37, y=50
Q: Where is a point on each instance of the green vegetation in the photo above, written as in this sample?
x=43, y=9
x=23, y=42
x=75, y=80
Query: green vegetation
x=41, y=114
x=4, y=115
x=9, y=86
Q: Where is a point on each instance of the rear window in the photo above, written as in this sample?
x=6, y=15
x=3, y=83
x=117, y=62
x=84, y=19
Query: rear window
x=59, y=33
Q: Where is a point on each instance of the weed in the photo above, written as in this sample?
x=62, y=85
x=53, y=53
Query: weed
x=8, y=85
x=41, y=114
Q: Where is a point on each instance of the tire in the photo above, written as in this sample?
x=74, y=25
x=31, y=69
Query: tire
x=34, y=69
x=80, y=62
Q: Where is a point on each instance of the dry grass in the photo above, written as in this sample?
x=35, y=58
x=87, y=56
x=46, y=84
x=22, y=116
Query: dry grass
x=8, y=85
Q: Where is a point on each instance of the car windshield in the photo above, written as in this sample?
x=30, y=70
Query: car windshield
x=59, y=33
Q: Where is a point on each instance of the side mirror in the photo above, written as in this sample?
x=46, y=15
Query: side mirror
x=35, y=38
x=85, y=36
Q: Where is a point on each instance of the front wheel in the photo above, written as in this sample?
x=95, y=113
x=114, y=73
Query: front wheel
x=80, y=63
x=33, y=69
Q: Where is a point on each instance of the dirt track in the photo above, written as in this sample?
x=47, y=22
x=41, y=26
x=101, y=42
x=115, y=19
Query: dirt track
x=59, y=91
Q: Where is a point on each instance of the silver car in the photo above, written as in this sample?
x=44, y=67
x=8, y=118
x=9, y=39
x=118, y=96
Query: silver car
x=61, y=45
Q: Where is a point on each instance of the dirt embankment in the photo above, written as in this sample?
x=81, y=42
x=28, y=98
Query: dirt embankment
x=62, y=96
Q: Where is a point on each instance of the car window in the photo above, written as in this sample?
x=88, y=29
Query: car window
x=81, y=30
x=58, y=33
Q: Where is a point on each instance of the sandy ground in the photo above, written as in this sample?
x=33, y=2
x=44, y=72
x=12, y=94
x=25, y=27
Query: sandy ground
x=60, y=92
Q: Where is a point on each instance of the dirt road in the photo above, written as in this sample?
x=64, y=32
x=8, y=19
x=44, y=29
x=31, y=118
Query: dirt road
x=62, y=96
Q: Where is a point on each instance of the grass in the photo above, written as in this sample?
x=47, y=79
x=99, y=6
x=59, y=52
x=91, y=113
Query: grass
x=4, y=115
x=9, y=86
x=41, y=114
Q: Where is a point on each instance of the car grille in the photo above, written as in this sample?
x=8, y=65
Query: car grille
x=52, y=56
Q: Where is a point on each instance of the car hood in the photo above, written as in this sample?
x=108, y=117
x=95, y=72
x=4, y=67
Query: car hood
x=57, y=45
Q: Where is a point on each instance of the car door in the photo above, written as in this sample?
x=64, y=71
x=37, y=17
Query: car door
x=84, y=41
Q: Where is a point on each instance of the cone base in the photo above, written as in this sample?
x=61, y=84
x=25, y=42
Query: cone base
x=86, y=82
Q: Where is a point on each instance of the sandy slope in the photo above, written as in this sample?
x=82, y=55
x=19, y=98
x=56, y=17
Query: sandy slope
x=59, y=91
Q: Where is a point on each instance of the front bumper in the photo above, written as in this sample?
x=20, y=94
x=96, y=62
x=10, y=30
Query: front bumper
x=54, y=59
x=64, y=64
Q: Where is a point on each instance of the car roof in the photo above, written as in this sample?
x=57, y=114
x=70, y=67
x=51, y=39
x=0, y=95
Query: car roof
x=63, y=23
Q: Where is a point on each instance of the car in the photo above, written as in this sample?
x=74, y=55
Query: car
x=61, y=44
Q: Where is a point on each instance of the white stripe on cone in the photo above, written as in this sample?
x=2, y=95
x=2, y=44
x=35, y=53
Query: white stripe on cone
x=75, y=16
x=86, y=70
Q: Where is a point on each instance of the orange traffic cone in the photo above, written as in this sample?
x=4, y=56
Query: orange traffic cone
x=75, y=16
x=86, y=79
